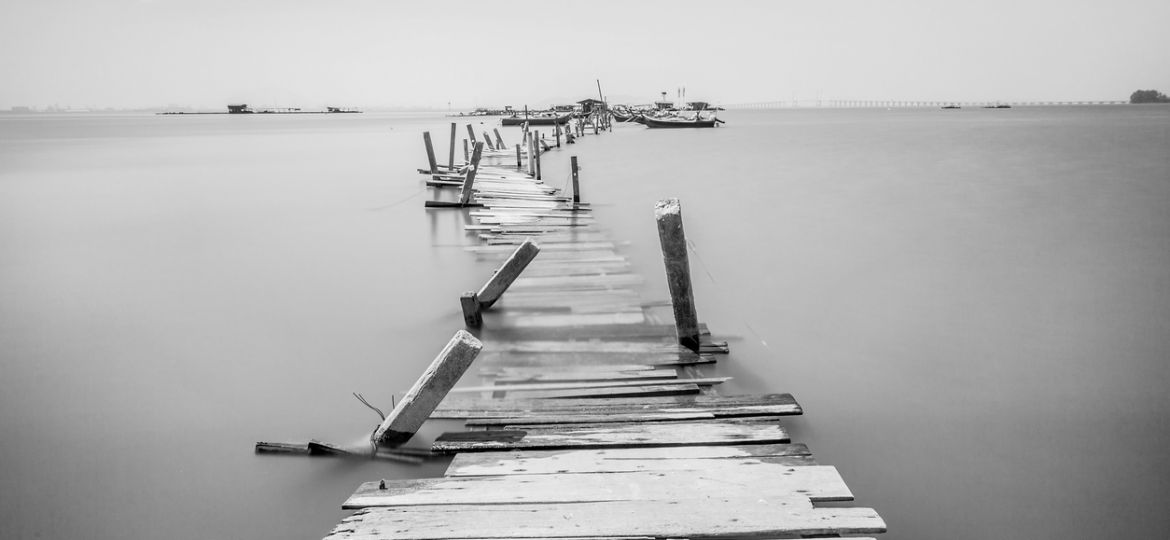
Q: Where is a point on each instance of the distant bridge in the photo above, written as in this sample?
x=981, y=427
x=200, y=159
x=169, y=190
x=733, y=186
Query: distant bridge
x=889, y=104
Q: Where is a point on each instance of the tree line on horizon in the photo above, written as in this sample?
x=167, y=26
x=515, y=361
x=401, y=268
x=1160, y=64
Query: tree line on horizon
x=1148, y=96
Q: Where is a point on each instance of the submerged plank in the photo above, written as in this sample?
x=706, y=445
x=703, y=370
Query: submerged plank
x=626, y=459
x=819, y=484
x=715, y=517
x=695, y=433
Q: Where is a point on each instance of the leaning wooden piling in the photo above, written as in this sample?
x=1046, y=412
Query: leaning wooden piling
x=471, y=134
x=499, y=140
x=469, y=179
x=429, y=390
x=576, y=186
x=431, y=155
x=668, y=215
x=487, y=139
x=519, y=164
x=473, y=303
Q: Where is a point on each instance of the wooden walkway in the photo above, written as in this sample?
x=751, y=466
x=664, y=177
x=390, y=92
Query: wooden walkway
x=591, y=421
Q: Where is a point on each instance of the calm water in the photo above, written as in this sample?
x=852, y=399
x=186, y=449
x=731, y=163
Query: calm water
x=971, y=305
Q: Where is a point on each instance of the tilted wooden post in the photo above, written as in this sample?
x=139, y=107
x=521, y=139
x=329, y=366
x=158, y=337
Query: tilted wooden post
x=668, y=214
x=488, y=139
x=431, y=155
x=538, y=146
x=558, y=129
x=451, y=150
x=466, y=154
x=471, y=134
x=519, y=164
x=576, y=187
x=473, y=303
x=499, y=140
x=469, y=179
x=429, y=390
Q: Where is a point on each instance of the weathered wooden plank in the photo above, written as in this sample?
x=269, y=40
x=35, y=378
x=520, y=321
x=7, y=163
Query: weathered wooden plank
x=626, y=459
x=704, y=381
x=720, y=406
x=430, y=389
x=649, y=390
x=629, y=315
x=529, y=422
x=583, y=376
x=681, y=358
x=539, y=346
x=696, y=433
x=819, y=484
x=715, y=517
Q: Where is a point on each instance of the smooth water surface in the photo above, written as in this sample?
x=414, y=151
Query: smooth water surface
x=971, y=305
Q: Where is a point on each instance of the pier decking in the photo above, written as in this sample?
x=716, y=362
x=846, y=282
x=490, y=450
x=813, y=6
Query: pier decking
x=592, y=420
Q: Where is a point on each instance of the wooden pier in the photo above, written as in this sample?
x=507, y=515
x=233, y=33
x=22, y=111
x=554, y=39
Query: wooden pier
x=598, y=414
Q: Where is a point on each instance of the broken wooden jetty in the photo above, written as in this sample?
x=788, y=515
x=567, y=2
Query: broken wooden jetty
x=594, y=418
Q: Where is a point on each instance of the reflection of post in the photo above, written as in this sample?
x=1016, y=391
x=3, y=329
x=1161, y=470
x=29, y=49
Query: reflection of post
x=576, y=187
x=668, y=214
x=429, y=390
x=451, y=153
x=472, y=169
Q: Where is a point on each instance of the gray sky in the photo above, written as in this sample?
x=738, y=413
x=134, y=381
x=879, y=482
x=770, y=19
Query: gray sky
x=132, y=53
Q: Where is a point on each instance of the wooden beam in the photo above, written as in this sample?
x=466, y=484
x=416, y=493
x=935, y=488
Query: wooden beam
x=499, y=140
x=430, y=389
x=668, y=214
x=451, y=149
x=488, y=139
x=576, y=186
x=431, y=154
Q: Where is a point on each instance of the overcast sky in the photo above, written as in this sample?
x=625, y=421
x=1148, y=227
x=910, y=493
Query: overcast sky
x=136, y=53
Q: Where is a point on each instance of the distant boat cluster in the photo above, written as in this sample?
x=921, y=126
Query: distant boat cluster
x=244, y=109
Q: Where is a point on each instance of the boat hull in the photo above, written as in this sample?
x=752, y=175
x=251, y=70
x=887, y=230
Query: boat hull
x=535, y=120
x=667, y=124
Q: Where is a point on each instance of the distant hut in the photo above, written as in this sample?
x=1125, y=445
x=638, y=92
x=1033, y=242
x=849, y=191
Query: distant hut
x=238, y=109
x=590, y=105
x=698, y=105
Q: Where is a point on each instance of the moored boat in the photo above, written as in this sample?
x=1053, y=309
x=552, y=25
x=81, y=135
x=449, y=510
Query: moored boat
x=536, y=119
x=679, y=122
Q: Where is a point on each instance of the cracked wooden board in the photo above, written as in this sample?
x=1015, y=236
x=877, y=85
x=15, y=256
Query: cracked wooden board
x=819, y=484
x=692, y=433
x=719, y=406
x=587, y=461
x=715, y=517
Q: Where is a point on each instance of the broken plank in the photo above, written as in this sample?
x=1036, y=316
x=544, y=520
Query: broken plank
x=819, y=484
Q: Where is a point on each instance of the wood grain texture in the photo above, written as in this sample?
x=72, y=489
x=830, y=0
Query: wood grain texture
x=695, y=433
x=626, y=459
x=719, y=406
x=819, y=484
x=716, y=517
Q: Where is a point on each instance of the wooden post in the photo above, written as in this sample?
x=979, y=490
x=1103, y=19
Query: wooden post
x=519, y=164
x=487, y=139
x=451, y=152
x=531, y=157
x=558, y=128
x=508, y=272
x=595, y=120
x=576, y=188
x=499, y=140
x=538, y=152
x=472, y=169
x=466, y=154
x=429, y=390
x=668, y=214
x=471, y=134
x=472, y=309
x=431, y=155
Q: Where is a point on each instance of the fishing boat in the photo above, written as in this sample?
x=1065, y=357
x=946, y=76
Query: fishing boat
x=540, y=119
x=679, y=122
